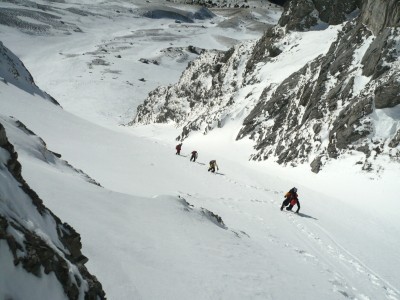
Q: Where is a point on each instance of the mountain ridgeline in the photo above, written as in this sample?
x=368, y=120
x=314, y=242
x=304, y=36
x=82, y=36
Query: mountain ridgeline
x=342, y=102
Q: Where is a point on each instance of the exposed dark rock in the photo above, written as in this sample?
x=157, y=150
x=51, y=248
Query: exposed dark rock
x=264, y=48
x=380, y=14
x=303, y=14
x=214, y=218
x=149, y=61
x=372, y=60
x=388, y=94
x=316, y=164
x=396, y=140
x=195, y=50
x=167, y=14
x=346, y=128
x=14, y=168
x=279, y=2
x=298, y=15
x=98, y=62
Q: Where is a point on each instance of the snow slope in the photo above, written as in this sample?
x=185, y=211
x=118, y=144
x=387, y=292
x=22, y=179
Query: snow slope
x=150, y=230
x=164, y=248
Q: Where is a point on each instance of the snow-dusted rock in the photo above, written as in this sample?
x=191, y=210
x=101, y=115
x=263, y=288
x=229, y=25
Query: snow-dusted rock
x=205, y=95
x=334, y=103
x=44, y=251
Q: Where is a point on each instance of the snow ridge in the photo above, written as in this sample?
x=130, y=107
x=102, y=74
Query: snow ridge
x=13, y=71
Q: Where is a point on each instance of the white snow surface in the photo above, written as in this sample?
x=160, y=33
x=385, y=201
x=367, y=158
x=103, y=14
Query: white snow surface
x=142, y=240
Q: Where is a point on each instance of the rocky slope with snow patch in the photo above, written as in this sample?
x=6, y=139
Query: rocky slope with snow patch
x=300, y=101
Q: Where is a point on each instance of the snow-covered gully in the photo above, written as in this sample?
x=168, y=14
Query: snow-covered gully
x=153, y=224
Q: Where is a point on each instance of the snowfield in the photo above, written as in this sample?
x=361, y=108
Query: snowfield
x=160, y=226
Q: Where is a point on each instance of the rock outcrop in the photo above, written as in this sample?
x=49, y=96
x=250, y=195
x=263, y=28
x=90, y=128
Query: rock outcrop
x=380, y=14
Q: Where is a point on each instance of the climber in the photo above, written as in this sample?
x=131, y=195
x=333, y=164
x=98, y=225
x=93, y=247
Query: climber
x=178, y=149
x=291, y=199
x=194, y=156
x=213, y=165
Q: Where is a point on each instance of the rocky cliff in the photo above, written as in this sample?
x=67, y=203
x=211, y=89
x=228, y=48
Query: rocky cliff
x=38, y=243
x=306, y=14
x=380, y=14
x=342, y=101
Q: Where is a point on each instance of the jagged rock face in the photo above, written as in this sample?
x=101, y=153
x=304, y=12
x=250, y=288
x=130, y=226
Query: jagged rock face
x=36, y=238
x=335, y=104
x=203, y=98
x=326, y=103
x=265, y=48
x=303, y=14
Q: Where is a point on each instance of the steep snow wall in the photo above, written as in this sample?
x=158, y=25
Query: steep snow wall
x=301, y=102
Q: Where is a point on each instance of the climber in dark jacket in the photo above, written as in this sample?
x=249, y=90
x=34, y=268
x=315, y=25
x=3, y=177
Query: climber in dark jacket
x=178, y=149
x=291, y=199
x=194, y=155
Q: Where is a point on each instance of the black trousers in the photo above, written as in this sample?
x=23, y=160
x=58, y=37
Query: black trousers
x=286, y=202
